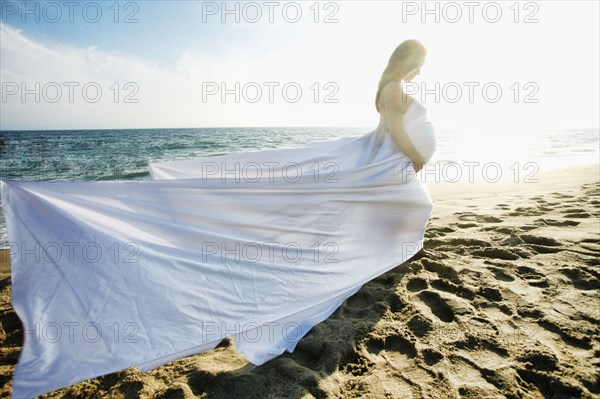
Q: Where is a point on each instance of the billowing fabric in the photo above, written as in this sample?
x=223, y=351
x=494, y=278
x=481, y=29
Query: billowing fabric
x=260, y=246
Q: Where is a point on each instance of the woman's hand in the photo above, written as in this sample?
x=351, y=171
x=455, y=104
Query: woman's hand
x=418, y=166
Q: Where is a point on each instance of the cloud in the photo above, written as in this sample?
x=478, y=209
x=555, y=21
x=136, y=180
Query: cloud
x=56, y=68
x=167, y=96
x=349, y=55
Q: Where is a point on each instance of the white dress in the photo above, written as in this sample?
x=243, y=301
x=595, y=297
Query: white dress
x=420, y=129
x=140, y=273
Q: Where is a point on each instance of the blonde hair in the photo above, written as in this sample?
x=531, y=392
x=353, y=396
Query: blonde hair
x=409, y=51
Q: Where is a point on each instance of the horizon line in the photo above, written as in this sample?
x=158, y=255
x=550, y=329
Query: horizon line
x=259, y=127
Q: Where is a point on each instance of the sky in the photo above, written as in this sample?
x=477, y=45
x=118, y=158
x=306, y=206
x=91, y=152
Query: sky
x=507, y=67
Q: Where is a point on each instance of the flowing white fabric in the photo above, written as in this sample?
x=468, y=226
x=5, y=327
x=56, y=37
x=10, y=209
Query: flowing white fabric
x=260, y=246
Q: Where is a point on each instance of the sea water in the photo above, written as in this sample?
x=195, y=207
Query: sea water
x=125, y=154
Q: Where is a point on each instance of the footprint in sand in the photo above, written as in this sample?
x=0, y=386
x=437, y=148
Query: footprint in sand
x=482, y=346
x=438, y=306
x=541, y=249
x=460, y=241
x=539, y=240
x=474, y=217
x=441, y=230
x=549, y=384
x=499, y=263
x=561, y=195
x=540, y=244
x=416, y=284
x=456, y=289
x=466, y=225
x=576, y=213
x=513, y=241
x=392, y=343
x=529, y=310
x=501, y=275
x=400, y=344
x=545, y=208
x=438, y=232
x=501, y=229
x=419, y=325
x=457, y=245
x=466, y=216
x=570, y=335
x=398, y=303
x=387, y=280
x=176, y=390
x=582, y=278
x=571, y=209
x=440, y=269
x=356, y=364
x=496, y=253
x=539, y=358
x=431, y=356
x=491, y=294
x=504, y=207
x=490, y=219
x=526, y=211
x=557, y=223
x=532, y=277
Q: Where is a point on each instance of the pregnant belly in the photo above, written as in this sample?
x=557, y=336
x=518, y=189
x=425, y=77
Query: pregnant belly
x=423, y=138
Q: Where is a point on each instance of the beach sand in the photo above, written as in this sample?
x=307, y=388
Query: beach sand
x=511, y=310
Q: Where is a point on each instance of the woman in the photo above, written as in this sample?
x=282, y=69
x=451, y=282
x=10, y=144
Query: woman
x=258, y=246
x=392, y=103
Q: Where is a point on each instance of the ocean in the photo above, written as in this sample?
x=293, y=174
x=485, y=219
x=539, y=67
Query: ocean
x=125, y=154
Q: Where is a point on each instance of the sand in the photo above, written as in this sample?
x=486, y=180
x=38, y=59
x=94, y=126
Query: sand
x=510, y=311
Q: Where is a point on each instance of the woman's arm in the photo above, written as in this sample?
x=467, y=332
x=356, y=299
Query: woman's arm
x=394, y=116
